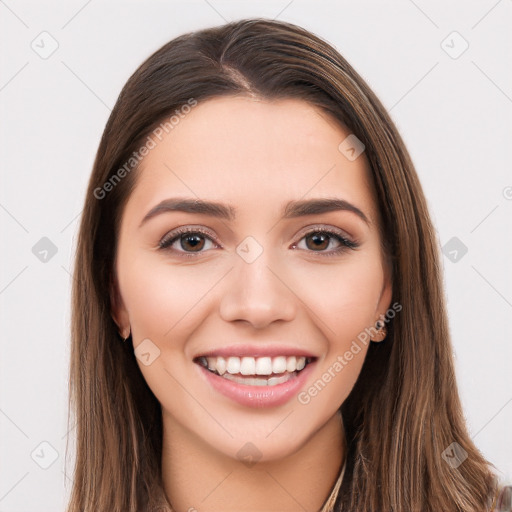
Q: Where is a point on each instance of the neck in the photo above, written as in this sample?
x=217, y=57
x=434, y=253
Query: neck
x=198, y=477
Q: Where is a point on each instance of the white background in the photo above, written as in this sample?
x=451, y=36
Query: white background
x=455, y=115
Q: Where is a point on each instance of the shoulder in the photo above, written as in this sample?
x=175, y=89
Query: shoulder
x=503, y=499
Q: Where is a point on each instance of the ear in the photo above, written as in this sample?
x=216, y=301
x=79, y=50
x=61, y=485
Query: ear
x=117, y=308
x=387, y=291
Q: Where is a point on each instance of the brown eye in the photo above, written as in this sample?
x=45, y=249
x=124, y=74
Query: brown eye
x=187, y=241
x=192, y=242
x=319, y=241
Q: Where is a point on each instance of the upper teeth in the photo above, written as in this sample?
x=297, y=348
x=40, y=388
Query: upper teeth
x=254, y=365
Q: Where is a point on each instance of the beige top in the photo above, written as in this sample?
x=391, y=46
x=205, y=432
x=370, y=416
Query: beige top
x=331, y=500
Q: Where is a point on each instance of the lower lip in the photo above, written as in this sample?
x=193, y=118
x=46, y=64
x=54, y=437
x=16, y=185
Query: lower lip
x=258, y=396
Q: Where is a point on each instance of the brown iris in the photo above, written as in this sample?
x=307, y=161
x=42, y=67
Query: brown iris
x=194, y=241
x=321, y=241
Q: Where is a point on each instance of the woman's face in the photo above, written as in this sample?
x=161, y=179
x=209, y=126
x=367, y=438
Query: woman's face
x=254, y=280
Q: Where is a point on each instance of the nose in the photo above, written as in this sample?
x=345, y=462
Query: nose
x=257, y=293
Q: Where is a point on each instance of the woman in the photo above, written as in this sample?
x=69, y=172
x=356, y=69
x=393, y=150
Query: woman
x=258, y=316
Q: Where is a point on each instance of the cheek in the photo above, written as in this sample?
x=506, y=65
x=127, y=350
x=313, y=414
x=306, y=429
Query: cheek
x=163, y=303
x=163, y=300
x=348, y=306
x=343, y=296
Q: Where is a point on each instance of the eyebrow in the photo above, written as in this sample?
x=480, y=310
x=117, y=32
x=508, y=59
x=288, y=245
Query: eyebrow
x=292, y=209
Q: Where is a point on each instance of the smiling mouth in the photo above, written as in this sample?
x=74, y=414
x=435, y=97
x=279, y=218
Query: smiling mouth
x=256, y=371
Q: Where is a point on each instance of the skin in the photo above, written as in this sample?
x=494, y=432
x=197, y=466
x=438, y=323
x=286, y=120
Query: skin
x=254, y=155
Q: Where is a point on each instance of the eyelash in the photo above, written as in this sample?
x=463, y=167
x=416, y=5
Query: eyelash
x=172, y=237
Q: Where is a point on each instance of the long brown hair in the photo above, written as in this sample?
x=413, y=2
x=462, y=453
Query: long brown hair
x=404, y=410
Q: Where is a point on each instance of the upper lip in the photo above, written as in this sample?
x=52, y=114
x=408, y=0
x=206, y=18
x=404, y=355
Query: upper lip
x=256, y=351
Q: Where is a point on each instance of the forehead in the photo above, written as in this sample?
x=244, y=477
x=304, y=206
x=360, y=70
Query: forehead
x=252, y=152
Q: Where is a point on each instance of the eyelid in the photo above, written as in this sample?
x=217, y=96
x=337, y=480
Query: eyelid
x=326, y=227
